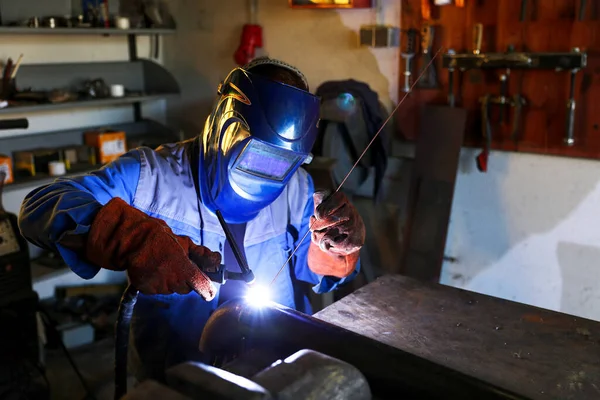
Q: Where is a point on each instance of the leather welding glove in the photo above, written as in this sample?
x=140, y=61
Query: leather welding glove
x=337, y=235
x=157, y=261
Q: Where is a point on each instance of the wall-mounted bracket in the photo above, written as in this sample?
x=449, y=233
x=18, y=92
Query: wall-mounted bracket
x=515, y=60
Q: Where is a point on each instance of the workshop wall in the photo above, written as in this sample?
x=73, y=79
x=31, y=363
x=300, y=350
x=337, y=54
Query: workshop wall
x=524, y=231
x=322, y=43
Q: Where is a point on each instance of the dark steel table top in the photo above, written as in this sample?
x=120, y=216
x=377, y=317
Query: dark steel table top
x=534, y=352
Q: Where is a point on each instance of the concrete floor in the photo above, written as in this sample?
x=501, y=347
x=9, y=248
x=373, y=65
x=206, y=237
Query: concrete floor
x=95, y=362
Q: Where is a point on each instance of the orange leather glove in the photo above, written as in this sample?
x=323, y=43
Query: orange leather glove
x=337, y=234
x=157, y=261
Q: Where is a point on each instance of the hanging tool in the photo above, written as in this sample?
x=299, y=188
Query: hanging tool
x=504, y=89
x=477, y=37
x=518, y=102
x=357, y=162
x=475, y=74
x=429, y=80
x=451, y=81
x=582, y=7
x=523, y=13
x=486, y=130
x=570, y=122
x=407, y=55
x=504, y=100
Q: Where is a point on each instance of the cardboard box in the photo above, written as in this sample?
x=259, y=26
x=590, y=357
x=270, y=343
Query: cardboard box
x=109, y=145
x=32, y=162
x=78, y=155
x=6, y=166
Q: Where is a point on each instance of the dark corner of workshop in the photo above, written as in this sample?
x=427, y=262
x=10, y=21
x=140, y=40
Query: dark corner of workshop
x=299, y=199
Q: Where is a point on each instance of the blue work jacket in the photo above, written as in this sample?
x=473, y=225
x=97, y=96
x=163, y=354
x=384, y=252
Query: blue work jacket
x=167, y=328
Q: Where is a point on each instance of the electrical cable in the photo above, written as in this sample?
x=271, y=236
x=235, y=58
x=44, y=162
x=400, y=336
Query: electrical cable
x=359, y=158
x=47, y=322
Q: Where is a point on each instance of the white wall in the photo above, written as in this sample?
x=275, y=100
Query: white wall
x=56, y=49
x=528, y=231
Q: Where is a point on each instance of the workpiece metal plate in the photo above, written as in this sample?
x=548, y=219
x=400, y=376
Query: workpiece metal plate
x=534, y=352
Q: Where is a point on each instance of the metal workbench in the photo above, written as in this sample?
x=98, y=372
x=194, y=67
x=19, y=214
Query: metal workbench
x=534, y=352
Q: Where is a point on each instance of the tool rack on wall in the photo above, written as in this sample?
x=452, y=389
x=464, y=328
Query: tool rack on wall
x=145, y=81
x=533, y=50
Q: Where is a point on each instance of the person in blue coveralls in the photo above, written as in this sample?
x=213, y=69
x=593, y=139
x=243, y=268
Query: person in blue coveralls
x=152, y=213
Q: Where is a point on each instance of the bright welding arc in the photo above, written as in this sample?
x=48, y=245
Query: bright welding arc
x=361, y=156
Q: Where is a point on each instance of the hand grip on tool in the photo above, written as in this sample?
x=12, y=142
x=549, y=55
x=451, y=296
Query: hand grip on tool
x=220, y=274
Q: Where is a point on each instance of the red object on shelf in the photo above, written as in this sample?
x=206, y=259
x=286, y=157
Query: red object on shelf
x=250, y=40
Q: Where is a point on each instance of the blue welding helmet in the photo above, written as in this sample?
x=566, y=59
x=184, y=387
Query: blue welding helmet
x=258, y=135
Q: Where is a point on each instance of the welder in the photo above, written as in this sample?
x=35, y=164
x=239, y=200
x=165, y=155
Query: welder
x=153, y=213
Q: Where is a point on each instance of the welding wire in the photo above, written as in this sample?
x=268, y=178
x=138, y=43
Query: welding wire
x=359, y=158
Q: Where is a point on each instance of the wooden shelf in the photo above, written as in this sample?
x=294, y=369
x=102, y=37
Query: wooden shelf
x=20, y=30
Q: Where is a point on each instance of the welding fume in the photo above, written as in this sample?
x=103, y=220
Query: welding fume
x=216, y=217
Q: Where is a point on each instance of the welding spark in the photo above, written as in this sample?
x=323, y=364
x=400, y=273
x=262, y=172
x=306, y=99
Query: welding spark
x=258, y=295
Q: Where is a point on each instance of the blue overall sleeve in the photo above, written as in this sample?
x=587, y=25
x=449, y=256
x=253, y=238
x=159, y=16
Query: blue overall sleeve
x=69, y=205
x=323, y=284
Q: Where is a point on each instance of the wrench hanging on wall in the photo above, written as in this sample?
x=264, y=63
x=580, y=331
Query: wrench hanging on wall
x=408, y=54
x=571, y=103
x=429, y=80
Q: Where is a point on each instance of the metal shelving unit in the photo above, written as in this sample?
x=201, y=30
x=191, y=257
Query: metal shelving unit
x=144, y=80
x=72, y=137
x=19, y=30
x=84, y=103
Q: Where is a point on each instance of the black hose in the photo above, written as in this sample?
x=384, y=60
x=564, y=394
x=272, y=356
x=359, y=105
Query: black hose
x=19, y=123
x=122, y=339
x=50, y=325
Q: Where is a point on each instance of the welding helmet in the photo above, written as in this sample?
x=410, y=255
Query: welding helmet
x=259, y=133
